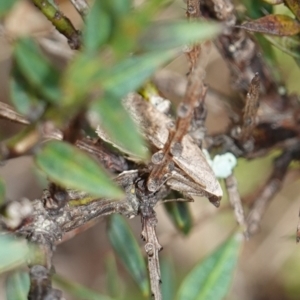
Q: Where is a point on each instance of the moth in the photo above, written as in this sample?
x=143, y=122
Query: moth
x=186, y=170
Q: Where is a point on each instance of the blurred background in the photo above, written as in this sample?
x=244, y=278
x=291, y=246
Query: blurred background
x=269, y=263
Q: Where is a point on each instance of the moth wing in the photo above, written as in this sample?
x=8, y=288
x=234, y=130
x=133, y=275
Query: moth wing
x=193, y=162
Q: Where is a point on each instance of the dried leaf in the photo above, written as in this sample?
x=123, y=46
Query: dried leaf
x=294, y=6
x=281, y=25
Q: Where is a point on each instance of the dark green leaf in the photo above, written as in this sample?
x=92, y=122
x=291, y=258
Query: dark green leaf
x=24, y=98
x=119, y=126
x=77, y=290
x=2, y=191
x=114, y=284
x=72, y=168
x=280, y=25
x=177, y=33
x=37, y=70
x=13, y=252
x=168, y=286
x=210, y=279
x=257, y=8
x=17, y=286
x=98, y=27
x=128, y=251
x=5, y=6
x=180, y=215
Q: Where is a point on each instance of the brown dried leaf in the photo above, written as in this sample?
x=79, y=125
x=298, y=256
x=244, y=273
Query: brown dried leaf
x=273, y=24
x=294, y=6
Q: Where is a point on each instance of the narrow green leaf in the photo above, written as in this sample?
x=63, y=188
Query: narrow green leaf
x=2, y=191
x=168, y=284
x=13, y=252
x=166, y=35
x=180, y=215
x=98, y=27
x=5, y=6
x=280, y=25
x=24, y=97
x=39, y=71
x=287, y=44
x=70, y=167
x=210, y=279
x=77, y=290
x=17, y=286
x=128, y=250
x=130, y=74
x=114, y=284
x=119, y=126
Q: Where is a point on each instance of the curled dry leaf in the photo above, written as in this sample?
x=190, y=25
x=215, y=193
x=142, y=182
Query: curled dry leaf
x=273, y=24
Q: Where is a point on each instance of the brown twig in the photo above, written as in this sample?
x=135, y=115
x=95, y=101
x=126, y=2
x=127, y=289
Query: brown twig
x=152, y=248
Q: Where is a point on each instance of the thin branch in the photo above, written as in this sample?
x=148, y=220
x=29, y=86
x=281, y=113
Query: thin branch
x=61, y=23
x=152, y=248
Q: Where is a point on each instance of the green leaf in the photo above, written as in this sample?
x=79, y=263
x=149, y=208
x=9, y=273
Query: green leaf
x=280, y=25
x=119, y=126
x=130, y=74
x=166, y=35
x=2, y=191
x=114, y=284
x=13, y=252
x=72, y=168
x=37, y=70
x=287, y=44
x=180, y=215
x=17, y=286
x=24, y=97
x=128, y=251
x=168, y=286
x=210, y=279
x=5, y=6
x=98, y=27
x=77, y=290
